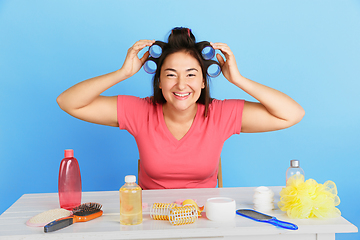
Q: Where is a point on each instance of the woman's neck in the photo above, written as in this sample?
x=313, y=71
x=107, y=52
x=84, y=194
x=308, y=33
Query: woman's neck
x=177, y=116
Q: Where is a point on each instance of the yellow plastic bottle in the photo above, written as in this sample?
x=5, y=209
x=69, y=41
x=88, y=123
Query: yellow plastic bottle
x=130, y=202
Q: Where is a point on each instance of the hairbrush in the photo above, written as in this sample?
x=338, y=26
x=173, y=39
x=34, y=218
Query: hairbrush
x=260, y=217
x=82, y=213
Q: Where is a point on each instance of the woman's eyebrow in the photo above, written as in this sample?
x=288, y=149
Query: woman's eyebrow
x=188, y=70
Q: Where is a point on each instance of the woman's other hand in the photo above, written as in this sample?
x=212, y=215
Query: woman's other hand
x=228, y=65
x=133, y=63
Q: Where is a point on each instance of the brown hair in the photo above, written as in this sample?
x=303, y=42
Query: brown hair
x=181, y=39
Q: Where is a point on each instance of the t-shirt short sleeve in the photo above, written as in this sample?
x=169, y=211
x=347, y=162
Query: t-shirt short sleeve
x=227, y=116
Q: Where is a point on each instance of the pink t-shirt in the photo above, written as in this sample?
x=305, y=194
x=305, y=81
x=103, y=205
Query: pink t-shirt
x=191, y=162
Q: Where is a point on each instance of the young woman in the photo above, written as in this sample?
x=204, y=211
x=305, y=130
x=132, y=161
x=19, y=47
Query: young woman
x=180, y=130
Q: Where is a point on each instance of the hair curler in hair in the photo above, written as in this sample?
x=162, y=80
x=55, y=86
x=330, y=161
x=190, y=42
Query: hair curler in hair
x=150, y=65
x=155, y=50
x=213, y=68
x=207, y=51
x=188, y=30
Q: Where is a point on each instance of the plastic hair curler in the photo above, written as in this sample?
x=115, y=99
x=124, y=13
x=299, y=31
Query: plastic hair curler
x=150, y=65
x=213, y=68
x=160, y=211
x=183, y=215
x=175, y=215
x=155, y=50
x=207, y=51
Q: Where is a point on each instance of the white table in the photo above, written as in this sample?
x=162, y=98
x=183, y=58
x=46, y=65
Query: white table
x=12, y=221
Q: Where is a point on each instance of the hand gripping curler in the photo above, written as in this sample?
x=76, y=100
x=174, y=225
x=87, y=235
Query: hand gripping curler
x=155, y=52
x=213, y=68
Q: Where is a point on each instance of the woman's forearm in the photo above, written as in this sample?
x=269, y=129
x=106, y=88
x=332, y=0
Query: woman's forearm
x=85, y=92
x=276, y=103
x=84, y=101
x=275, y=109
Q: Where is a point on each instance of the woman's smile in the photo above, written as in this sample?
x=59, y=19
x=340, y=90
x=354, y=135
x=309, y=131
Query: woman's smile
x=181, y=95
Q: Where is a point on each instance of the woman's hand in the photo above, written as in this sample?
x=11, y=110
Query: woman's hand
x=132, y=63
x=228, y=67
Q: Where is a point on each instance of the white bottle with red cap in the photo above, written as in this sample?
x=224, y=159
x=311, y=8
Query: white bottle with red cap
x=69, y=181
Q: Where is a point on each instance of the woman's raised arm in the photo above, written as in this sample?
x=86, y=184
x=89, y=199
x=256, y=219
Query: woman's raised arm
x=84, y=101
x=274, y=111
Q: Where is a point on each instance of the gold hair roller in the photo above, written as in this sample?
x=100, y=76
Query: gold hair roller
x=160, y=211
x=183, y=215
x=174, y=214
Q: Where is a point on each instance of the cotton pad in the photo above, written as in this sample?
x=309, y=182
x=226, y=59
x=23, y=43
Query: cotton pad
x=44, y=218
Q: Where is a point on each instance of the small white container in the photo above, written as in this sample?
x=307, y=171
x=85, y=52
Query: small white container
x=263, y=192
x=220, y=209
x=263, y=199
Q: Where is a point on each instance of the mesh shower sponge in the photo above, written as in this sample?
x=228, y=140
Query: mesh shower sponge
x=309, y=199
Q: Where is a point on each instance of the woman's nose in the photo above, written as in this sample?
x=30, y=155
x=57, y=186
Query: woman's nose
x=181, y=83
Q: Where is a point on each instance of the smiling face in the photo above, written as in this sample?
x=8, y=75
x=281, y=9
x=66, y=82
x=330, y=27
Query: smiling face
x=181, y=81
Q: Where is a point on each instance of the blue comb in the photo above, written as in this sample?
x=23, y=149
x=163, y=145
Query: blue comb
x=260, y=217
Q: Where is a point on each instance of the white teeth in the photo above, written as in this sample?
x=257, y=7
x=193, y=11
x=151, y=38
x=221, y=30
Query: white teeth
x=182, y=95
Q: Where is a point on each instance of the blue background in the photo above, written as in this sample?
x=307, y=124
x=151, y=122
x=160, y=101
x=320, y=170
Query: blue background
x=307, y=49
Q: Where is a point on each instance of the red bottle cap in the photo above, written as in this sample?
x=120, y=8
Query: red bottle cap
x=69, y=153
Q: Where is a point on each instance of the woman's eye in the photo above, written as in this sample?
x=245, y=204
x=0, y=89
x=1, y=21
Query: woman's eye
x=170, y=75
x=191, y=75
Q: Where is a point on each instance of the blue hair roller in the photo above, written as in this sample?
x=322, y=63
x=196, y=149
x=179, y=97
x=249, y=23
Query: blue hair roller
x=207, y=51
x=213, y=69
x=150, y=66
x=155, y=50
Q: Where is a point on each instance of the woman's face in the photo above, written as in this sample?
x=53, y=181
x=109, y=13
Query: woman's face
x=181, y=81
